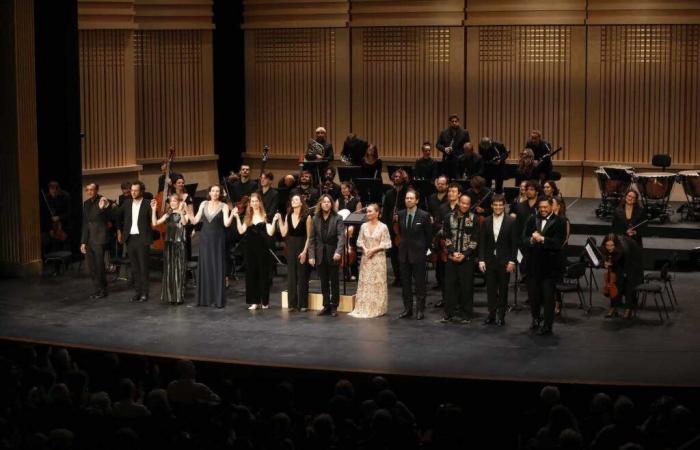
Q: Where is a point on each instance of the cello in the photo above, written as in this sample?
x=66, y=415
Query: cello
x=161, y=199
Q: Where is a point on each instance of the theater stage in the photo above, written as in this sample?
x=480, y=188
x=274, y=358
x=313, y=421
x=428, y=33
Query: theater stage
x=584, y=349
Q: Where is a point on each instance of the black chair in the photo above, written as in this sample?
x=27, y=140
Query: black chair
x=571, y=282
x=61, y=259
x=661, y=160
x=663, y=276
x=119, y=260
x=643, y=290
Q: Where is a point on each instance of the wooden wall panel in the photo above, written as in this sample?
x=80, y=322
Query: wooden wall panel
x=523, y=77
x=406, y=82
x=260, y=14
x=531, y=12
x=645, y=93
x=174, y=99
x=292, y=88
x=107, y=98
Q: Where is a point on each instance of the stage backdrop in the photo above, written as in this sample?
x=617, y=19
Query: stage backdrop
x=610, y=81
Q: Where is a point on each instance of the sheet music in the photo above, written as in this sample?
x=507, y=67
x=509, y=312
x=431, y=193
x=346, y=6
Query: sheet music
x=592, y=256
x=520, y=257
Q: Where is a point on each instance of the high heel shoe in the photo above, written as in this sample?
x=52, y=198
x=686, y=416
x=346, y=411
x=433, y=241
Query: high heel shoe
x=612, y=312
x=253, y=306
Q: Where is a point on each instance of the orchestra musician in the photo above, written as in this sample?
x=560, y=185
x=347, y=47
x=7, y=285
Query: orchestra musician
x=450, y=143
x=541, y=150
x=550, y=189
x=270, y=196
x=494, y=155
x=328, y=185
x=461, y=231
x=393, y=201
x=371, y=163
x=241, y=185
x=308, y=193
x=527, y=167
x=56, y=219
x=559, y=208
x=470, y=164
x=622, y=256
x=166, y=179
x=479, y=193
x=326, y=246
x=628, y=218
x=93, y=239
x=318, y=149
x=426, y=167
x=354, y=150
x=544, y=235
x=498, y=251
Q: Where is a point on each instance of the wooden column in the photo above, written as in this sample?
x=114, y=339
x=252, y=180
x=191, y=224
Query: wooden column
x=20, y=249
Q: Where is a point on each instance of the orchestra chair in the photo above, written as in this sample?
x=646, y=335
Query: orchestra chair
x=61, y=259
x=643, y=290
x=663, y=276
x=661, y=160
x=571, y=282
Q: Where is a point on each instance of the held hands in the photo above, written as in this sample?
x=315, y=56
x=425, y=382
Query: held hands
x=336, y=257
x=103, y=203
x=302, y=257
x=482, y=266
x=510, y=267
x=83, y=249
x=277, y=218
x=154, y=204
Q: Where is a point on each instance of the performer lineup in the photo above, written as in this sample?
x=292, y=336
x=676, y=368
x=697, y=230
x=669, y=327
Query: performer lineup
x=449, y=215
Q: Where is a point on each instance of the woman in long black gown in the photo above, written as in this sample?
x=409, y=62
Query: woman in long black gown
x=256, y=234
x=174, y=253
x=211, y=270
x=296, y=227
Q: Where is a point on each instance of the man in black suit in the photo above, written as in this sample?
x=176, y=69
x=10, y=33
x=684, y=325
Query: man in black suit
x=544, y=235
x=416, y=236
x=497, y=255
x=325, y=249
x=461, y=230
x=135, y=215
x=426, y=167
x=94, y=238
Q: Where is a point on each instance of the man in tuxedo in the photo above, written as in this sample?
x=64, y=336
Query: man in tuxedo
x=416, y=236
x=325, y=249
x=94, y=239
x=135, y=215
x=544, y=235
x=497, y=255
x=451, y=143
x=461, y=230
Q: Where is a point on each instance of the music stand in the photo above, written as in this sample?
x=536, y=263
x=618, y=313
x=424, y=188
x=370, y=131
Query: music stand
x=316, y=168
x=449, y=168
x=353, y=219
x=370, y=190
x=349, y=173
x=191, y=189
x=424, y=187
x=594, y=259
x=390, y=169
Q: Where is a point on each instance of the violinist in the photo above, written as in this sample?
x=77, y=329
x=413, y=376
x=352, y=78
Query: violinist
x=628, y=218
x=470, y=164
x=426, y=167
x=527, y=168
x=435, y=203
x=56, y=219
x=241, y=185
x=296, y=227
x=393, y=202
x=541, y=151
x=622, y=258
x=494, y=155
x=479, y=194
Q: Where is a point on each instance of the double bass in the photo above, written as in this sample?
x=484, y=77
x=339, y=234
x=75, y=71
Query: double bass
x=161, y=199
x=242, y=203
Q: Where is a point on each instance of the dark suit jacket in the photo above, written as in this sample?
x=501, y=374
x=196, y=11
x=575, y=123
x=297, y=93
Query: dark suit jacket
x=545, y=258
x=332, y=242
x=461, y=137
x=392, y=200
x=505, y=249
x=620, y=224
x=471, y=165
x=124, y=216
x=416, y=240
x=94, y=230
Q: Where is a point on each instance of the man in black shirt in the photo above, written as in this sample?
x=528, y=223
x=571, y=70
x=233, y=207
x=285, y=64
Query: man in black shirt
x=94, y=239
x=470, y=164
x=244, y=185
x=494, y=155
x=394, y=200
x=328, y=186
x=269, y=194
x=163, y=179
x=319, y=149
x=451, y=143
x=426, y=167
x=541, y=149
x=308, y=193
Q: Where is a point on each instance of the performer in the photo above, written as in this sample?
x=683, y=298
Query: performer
x=325, y=250
x=257, y=232
x=348, y=199
x=56, y=219
x=497, y=256
x=527, y=168
x=541, y=150
x=211, y=267
x=494, y=155
x=416, y=235
x=372, y=295
x=296, y=227
x=308, y=193
x=241, y=185
x=166, y=179
x=135, y=214
x=174, y=253
x=550, y=189
x=268, y=194
x=393, y=200
x=371, y=163
x=426, y=167
x=470, y=164
x=479, y=195
x=461, y=230
x=559, y=208
x=628, y=215
x=93, y=238
x=544, y=235
x=354, y=150
x=328, y=185
x=623, y=257
x=435, y=203
x=520, y=198
x=319, y=149
x=522, y=213
x=182, y=192
x=451, y=143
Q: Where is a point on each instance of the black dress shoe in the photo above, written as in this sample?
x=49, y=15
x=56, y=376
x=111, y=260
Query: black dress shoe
x=135, y=298
x=490, y=320
x=323, y=312
x=436, y=287
x=446, y=319
x=406, y=314
x=500, y=322
x=545, y=331
x=143, y=298
x=420, y=315
x=535, y=325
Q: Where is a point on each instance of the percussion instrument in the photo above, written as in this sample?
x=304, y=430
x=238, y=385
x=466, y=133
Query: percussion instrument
x=690, y=180
x=613, y=182
x=655, y=189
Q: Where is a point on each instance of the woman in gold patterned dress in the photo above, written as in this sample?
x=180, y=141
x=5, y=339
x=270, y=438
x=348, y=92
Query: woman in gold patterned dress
x=371, y=299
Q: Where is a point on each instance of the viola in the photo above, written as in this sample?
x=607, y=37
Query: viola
x=610, y=282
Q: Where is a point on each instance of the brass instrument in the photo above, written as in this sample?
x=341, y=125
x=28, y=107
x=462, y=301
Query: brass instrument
x=313, y=149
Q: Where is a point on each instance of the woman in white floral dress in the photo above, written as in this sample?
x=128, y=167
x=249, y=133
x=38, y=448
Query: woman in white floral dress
x=371, y=299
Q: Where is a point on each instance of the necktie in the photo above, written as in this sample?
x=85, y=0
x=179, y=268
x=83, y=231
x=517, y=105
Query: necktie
x=410, y=221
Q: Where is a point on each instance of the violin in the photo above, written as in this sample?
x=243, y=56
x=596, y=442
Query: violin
x=610, y=281
x=57, y=231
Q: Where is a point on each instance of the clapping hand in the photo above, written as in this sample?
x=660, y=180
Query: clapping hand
x=103, y=203
x=154, y=204
x=277, y=217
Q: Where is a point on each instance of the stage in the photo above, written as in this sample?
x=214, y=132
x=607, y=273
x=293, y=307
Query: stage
x=584, y=349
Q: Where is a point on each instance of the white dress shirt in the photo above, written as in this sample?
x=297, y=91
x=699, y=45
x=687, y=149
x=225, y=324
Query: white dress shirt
x=135, y=207
x=497, y=222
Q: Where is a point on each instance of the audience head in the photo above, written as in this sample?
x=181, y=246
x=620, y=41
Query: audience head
x=186, y=370
x=549, y=396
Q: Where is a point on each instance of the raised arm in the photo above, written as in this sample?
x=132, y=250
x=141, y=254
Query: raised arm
x=283, y=225
x=155, y=221
x=271, y=227
x=195, y=220
x=241, y=227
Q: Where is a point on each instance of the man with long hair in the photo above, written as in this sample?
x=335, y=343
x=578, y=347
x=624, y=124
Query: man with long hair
x=325, y=249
